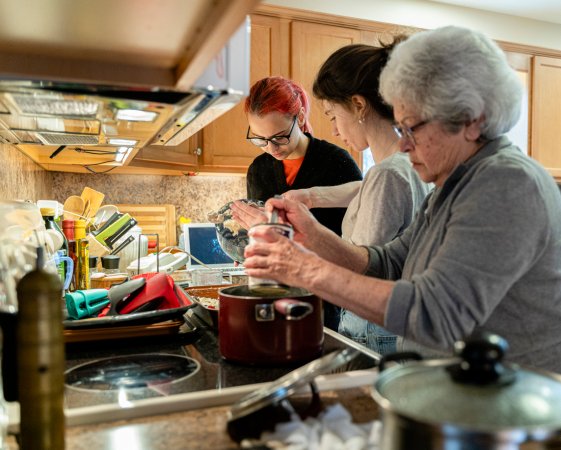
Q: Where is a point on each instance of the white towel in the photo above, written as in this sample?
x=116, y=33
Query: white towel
x=333, y=429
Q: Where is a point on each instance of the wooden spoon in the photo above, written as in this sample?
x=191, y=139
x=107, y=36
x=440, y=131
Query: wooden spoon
x=95, y=199
x=73, y=208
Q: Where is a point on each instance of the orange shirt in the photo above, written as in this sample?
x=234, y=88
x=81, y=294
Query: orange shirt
x=291, y=168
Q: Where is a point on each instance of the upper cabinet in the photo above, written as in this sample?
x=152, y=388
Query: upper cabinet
x=291, y=45
x=546, y=114
x=312, y=45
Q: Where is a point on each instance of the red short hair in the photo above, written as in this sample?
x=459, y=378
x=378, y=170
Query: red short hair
x=278, y=94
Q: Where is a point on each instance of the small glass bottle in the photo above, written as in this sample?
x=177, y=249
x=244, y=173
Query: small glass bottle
x=83, y=254
x=68, y=231
x=93, y=266
x=110, y=264
x=50, y=224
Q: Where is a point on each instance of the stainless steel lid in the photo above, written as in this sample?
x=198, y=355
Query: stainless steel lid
x=474, y=391
x=287, y=385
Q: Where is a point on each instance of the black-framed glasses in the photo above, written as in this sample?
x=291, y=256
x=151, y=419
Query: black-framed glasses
x=283, y=139
x=408, y=132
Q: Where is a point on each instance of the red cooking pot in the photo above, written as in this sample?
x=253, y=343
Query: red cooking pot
x=278, y=327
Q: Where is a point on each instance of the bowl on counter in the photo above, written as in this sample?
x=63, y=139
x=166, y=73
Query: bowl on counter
x=232, y=237
x=207, y=300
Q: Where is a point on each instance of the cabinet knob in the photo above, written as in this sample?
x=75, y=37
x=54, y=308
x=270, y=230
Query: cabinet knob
x=198, y=151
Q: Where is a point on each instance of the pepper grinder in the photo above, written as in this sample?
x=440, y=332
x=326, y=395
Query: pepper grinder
x=40, y=360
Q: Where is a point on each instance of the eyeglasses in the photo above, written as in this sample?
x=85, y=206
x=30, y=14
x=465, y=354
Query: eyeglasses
x=276, y=140
x=408, y=132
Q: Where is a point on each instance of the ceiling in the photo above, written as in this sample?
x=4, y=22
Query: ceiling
x=544, y=10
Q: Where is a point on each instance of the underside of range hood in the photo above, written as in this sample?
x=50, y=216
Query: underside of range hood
x=136, y=78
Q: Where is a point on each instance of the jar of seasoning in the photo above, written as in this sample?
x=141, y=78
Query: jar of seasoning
x=110, y=264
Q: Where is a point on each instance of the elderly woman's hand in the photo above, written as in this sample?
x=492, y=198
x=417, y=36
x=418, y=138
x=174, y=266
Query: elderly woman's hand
x=299, y=216
x=248, y=215
x=300, y=195
x=273, y=256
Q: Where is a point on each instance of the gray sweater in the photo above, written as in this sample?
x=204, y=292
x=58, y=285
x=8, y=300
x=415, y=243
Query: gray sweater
x=483, y=254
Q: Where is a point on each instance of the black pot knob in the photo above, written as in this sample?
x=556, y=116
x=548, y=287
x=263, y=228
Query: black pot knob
x=481, y=360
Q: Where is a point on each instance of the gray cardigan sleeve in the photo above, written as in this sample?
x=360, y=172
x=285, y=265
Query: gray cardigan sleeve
x=457, y=269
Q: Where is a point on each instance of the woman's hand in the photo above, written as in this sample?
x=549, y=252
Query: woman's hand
x=300, y=195
x=273, y=256
x=248, y=215
x=299, y=216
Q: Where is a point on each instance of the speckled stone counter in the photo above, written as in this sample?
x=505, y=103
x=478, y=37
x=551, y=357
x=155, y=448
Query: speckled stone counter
x=191, y=430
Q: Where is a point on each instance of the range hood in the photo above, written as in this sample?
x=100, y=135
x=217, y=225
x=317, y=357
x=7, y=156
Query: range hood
x=68, y=89
x=74, y=114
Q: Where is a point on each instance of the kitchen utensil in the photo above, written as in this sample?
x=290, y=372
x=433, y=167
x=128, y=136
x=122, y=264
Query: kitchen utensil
x=114, y=229
x=276, y=328
x=122, y=245
x=104, y=213
x=85, y=303
x=159, y=291
x=73, y=207
x=473, y=401
x=232, y=237
x=263, y=409
x=94, y=199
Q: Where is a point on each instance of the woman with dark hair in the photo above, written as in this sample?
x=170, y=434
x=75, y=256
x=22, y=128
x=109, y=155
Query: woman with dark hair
x=277, y=112
x=384, y=204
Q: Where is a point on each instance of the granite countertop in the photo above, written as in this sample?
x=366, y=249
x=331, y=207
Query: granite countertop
x=191, y=430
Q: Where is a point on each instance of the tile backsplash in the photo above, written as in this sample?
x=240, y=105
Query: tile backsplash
x=21, y=178
x=193, y=196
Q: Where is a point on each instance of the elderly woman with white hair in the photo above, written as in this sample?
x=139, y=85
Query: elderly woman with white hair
x=484, y=252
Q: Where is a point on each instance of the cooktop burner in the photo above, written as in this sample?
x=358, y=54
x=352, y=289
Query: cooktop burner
x=118, y=372
x=137, y=371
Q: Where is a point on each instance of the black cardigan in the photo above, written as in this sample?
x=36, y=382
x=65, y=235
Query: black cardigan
x=324, y=164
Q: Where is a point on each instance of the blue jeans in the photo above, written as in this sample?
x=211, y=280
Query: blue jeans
x=367, y=333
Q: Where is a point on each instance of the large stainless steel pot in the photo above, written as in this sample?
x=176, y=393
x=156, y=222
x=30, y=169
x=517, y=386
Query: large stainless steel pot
x=281, y=327
x=472, y=402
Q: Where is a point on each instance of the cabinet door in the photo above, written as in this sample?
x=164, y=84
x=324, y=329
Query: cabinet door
x=546, y=114
x=224, y=145
x=311, y=44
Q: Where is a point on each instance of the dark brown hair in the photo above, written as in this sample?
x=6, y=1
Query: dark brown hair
x=355, y=69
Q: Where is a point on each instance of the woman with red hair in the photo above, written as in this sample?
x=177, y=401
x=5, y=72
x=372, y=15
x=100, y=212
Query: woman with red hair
x=277, y=112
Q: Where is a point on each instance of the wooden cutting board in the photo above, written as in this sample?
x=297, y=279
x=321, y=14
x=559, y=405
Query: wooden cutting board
x=154, y=219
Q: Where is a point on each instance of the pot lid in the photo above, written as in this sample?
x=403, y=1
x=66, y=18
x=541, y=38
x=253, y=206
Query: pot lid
x=475, y=391
x=288, y=384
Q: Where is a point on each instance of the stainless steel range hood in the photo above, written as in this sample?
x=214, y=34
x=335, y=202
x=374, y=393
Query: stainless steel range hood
x=73, y=114
x=121, y=74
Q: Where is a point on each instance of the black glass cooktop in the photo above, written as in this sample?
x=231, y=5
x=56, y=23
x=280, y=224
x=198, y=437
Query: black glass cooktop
x=101, y=373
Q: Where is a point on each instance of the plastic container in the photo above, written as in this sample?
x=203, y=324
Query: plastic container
x=206, y=277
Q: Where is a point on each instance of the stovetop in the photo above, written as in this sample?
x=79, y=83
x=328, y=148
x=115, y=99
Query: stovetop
x=157, y=367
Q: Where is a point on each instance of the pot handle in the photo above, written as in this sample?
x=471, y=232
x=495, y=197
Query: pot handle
x=399, y=357
x=293, y=309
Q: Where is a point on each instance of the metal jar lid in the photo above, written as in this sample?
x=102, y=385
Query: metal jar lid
x=475, y=391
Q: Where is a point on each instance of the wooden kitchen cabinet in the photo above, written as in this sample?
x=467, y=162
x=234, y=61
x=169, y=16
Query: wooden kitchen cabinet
x=224, y=147
x=311, y=45
x=546, y=113
x=279, y=46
